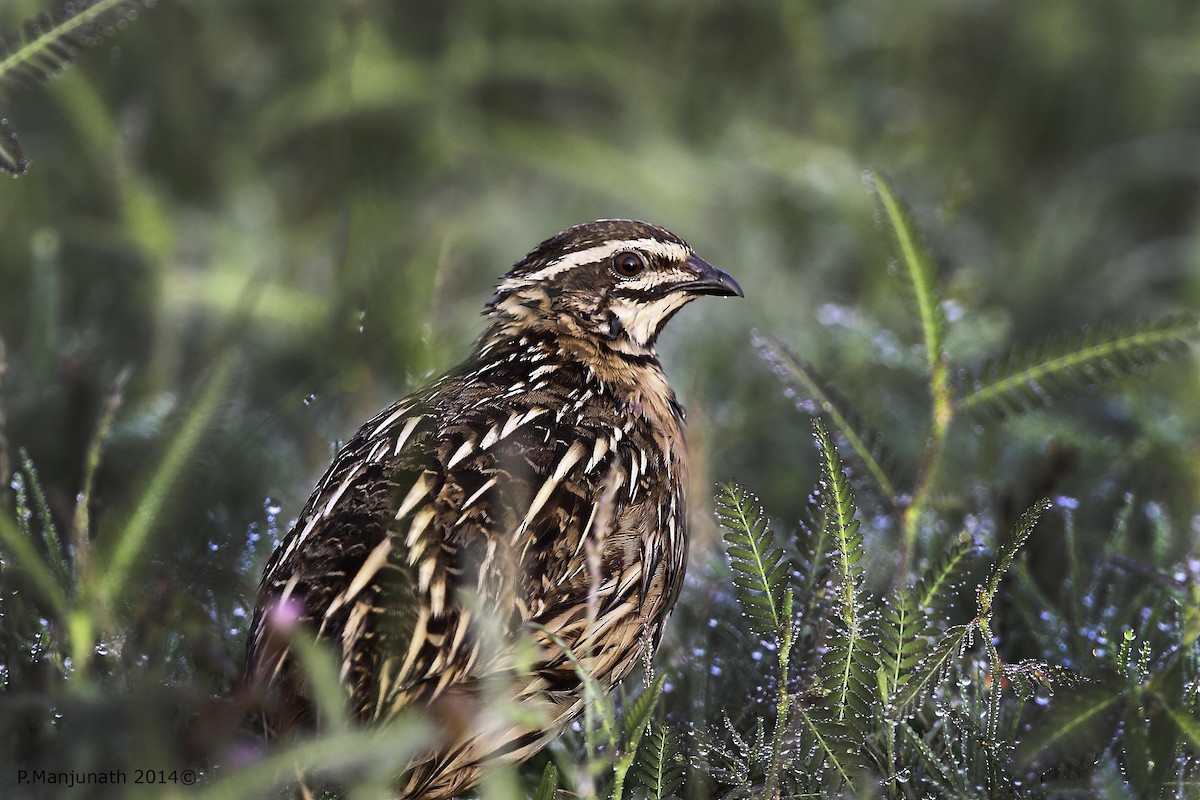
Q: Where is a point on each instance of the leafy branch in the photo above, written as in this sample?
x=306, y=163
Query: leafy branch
x=1036, y=376
x=47, y=43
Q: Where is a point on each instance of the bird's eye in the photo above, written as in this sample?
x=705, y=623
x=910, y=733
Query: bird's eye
x=628, y=264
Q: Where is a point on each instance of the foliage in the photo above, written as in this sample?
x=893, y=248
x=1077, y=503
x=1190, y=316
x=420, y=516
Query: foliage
x=46, y=45
x=249, y=226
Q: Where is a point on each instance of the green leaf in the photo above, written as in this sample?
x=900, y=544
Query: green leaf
x=325, y=688
x=548, y=785
x=798, y=374
x=596, y=700
x=760, y=569
x=1056, y=367
x=1185, y=720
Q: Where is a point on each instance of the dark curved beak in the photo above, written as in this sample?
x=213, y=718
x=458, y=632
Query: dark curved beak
x=710, y=280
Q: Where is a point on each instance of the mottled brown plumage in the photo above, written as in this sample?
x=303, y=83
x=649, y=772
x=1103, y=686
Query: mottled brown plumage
x=536, y=490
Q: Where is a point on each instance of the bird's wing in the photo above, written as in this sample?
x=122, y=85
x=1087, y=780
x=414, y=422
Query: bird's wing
x=437, y=533
x=326, y=575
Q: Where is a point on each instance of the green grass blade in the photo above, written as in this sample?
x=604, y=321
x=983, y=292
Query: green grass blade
x=56, y=555
x=25, y=559
x=135, y=536
x=83, y=523
x=916, y=264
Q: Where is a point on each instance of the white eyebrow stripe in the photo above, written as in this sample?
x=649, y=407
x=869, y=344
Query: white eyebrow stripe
x=598, y=253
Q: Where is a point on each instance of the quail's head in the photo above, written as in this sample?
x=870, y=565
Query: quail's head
x=616, y=281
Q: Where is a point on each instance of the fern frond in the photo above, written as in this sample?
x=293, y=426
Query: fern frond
x=849, y=662
x=814, y=561
x=946, y=780
x=903, y=642
x=1009, y=547
x=914, y=260
x=12, y=158
x=728, y=758
x=907, y=630
x=660, y=763
x=49, y=41
x=930, y=669
x=940, y=575
x=1060, y=365
x=637, y=718
x=799, y=375
x=760, y=570
x=833, y=751
x=46, y=44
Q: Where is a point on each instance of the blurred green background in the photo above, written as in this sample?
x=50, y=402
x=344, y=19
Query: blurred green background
x=328, y=191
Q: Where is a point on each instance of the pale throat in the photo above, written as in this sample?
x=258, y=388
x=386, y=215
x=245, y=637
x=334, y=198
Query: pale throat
x=642, y=321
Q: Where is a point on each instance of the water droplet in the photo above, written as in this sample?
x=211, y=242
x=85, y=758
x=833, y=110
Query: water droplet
x=273, y=507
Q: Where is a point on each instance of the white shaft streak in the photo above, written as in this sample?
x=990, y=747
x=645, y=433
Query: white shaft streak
x=573, y=454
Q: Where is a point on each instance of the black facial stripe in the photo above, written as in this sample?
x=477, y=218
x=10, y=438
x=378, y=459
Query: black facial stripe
x=642, y=294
